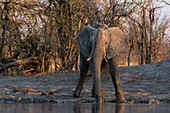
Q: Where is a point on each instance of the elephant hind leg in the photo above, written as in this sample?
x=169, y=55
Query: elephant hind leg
x=84, y=66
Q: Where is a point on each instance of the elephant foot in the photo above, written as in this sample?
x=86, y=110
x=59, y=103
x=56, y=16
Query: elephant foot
x=121, y=100
x=76, y=94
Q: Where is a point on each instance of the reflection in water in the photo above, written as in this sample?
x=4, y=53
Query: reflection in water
x=84, y=108
x=119, y=108
x=98, y=108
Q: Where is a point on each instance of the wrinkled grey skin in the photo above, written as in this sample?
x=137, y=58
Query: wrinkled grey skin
x=98, y=45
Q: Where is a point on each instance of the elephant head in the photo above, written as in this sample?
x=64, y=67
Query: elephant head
x=98, y=37
x=99, y=43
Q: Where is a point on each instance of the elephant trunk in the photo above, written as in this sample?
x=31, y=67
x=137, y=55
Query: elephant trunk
x=96, y=69
x=93, y=52
x=104, y=53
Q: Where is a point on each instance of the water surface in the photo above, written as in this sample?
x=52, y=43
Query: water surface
x=84, y=108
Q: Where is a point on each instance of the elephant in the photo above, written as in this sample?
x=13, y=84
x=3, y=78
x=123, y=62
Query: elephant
x=98, y=46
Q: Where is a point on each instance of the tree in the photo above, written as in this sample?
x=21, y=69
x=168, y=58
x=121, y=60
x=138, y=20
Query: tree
x=47, y=31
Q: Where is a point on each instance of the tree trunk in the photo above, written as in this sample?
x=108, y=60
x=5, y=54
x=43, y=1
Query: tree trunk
x=151, y=18
x=142, y=35
x=141, y=48
x=139, y=52
x=4, y=26
x=146, y=48
x=145, y=36
x=130, y=50
x=3, y=41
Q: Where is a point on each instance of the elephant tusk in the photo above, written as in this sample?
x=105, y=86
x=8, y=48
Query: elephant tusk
x=88, y=59
x=105, y=59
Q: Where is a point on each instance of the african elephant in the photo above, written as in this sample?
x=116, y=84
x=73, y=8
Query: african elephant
x=99, y=45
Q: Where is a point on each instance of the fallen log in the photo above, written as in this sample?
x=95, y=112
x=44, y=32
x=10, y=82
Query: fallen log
x=29, y=70
x=18, y=63
x=12, y=58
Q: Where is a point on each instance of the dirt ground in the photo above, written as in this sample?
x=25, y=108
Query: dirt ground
x=147, y=83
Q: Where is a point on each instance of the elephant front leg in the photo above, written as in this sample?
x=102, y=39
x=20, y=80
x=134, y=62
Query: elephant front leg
x=116, y=80
x=84, y=66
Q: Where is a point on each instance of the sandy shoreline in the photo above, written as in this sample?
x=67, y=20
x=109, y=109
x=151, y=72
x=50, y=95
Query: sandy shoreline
x=141, y=84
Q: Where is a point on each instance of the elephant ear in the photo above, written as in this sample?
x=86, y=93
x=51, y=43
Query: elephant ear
x=118, y=40
x=84, y=39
